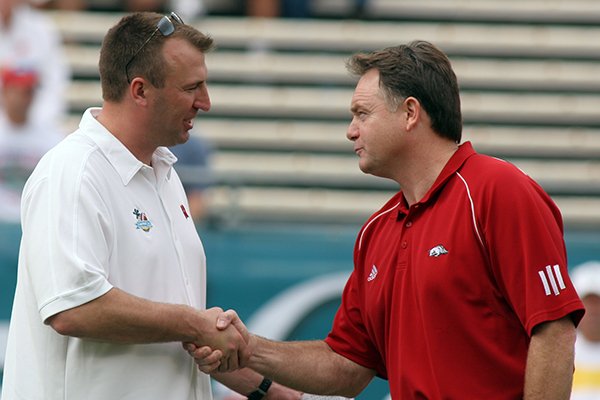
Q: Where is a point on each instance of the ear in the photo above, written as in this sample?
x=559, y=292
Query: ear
x=138, y=91
x=413, y=110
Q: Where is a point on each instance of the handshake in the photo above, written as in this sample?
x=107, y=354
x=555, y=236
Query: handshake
x=224, y=347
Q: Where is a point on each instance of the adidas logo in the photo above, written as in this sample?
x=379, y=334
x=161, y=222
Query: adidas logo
x=373, y=274
x=552, y=280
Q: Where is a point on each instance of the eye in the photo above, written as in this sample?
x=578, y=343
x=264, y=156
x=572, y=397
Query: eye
x=193, y=88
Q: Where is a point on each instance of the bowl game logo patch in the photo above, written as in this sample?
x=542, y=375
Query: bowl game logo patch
x=142, y=221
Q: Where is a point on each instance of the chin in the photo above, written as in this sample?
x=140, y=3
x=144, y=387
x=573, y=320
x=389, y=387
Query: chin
x=184, y=137
x=364, y=167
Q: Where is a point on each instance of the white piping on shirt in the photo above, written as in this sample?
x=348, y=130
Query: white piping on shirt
x=472, y=209
x=373, y=220
x=474, y=219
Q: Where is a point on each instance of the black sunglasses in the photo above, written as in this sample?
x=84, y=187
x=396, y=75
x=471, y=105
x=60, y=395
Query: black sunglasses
x=166, y=27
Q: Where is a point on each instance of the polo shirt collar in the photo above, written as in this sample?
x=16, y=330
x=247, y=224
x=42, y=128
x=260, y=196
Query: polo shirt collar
x=464, y=151
x=124, y=162
x=459, y=157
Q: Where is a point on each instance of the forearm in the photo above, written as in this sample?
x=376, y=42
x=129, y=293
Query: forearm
x=308, y=366
x=550, y=361
x=119, y=317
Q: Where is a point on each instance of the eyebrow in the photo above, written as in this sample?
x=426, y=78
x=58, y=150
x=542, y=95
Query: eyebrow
x=357, y=106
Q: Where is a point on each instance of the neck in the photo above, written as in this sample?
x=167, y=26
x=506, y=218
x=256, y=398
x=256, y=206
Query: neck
x=423, y=169
x=128, y=130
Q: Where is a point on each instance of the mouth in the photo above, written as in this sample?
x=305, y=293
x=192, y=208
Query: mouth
x=188, y=124
x=358, y=150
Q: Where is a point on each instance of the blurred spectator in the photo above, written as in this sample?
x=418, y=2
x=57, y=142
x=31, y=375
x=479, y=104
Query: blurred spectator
x=295, y=8
x=586, y=381
x=106, y=5
x=30, y=39
x=145, y=5
x=187, y=9
x=300, y=9
x=194, y=168
x=71, y=5
x=263, y=8
x=359, y=10
x=278, y=8
x=23, y=140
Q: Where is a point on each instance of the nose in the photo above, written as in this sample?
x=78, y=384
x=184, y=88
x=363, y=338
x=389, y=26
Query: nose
x=352, y=131
x=202, y=100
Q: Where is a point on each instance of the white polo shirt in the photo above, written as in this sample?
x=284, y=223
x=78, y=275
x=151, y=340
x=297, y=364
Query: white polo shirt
x=94, y=217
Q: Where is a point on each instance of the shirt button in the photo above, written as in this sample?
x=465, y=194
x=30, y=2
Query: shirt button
x=408, y=224
x=403, y=245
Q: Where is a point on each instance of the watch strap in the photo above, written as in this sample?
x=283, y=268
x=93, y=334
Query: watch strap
x=261, y=391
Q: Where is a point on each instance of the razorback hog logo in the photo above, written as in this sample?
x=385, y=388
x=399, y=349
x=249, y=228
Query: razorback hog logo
x=437, y=251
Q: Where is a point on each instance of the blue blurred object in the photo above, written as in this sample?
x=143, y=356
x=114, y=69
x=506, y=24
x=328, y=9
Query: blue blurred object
x=10, y=237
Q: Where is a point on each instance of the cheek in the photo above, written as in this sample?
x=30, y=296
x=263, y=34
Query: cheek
x=389, y=137
x=381, y=133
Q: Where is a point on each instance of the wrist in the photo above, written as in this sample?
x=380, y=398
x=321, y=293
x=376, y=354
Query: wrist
x=281, y=392
x=261, y=391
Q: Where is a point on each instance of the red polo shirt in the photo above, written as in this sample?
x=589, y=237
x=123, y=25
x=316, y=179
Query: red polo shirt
x=445, y=294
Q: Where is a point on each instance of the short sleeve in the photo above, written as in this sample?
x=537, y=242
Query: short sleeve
x=524, y=234
x=349, y=336
x=65, y=245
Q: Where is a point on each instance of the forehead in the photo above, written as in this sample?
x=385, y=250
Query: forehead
x=181, y=56
x=367, y=88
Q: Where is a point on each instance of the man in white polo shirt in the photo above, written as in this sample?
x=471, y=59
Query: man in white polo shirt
x=111, y=276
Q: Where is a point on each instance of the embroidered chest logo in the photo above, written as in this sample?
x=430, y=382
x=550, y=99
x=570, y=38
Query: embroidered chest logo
x=142, y=222
x=373, y=273
x=184, y=211
x=437, y=251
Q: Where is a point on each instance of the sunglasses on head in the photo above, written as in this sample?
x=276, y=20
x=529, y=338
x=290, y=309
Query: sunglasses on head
x=166, y=27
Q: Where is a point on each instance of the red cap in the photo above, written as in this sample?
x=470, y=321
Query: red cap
x=18, y=77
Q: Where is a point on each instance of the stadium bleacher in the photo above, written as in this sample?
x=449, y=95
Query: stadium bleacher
x=530, y=93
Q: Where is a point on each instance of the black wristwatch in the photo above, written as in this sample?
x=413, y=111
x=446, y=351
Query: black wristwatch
x=261, y=391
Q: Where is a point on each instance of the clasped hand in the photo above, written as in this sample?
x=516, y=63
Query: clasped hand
x=228, y=349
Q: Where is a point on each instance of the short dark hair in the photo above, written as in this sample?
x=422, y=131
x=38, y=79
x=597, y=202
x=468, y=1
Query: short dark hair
x=421, y=70
x=126, y=37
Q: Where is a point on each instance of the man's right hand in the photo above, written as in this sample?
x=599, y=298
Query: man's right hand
x=224, y=340
x=230, y=325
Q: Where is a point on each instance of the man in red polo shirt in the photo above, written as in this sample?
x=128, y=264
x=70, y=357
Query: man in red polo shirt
x=460, y=287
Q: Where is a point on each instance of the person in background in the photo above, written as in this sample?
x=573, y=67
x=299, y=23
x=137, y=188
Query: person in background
x=112, y=273
x=23, y=139
x=187, y=9
x=586, y=381
x=278, y=8
x=29, y=39
x=23, y=142
x=195, y=170
x=460, y=287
